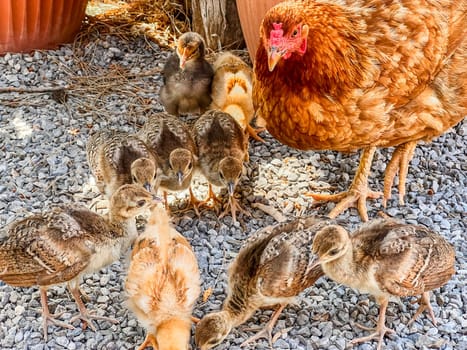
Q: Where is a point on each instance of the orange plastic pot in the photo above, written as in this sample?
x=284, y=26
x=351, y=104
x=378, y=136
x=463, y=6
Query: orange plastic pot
x=251, y=14
x=26, y=25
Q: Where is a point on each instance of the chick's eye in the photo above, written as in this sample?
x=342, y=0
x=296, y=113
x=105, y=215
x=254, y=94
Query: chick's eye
x=141, y=203
x=190, y=165
x=134, y=178
x=333, y=251
x=221, y=175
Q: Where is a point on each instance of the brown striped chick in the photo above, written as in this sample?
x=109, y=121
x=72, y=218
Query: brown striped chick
x=272, y=268
x=63, y=244
x=117, y=158
x=171, y=142
x=163, y=284
x=232, y=91
x=386, y=258
x=222, y=148
x=187, y=77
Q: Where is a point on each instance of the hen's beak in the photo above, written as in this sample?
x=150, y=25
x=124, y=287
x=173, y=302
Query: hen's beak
x=274, y=56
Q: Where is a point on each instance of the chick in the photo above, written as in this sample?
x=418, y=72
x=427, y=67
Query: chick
x=174, y=148
x=163, y=283
x=63, y=244
x=386, y=258
x=222, y=148
x=187, y=77
x=232, y=91
x=117, y=158
x=272, y=268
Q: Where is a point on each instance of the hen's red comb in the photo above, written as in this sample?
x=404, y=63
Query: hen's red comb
x=277, y=34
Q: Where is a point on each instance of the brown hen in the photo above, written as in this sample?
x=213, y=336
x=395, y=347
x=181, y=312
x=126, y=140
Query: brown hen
x=350, y=75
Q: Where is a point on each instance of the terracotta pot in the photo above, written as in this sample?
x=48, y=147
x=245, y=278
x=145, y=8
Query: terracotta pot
x=251, y=13
x=39, y=24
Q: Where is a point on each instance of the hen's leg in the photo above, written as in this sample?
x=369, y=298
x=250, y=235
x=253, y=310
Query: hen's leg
x=149, y=340
x=47, y=317
x=381, y=328
x=398, y=163
x=425, y=304
x=358, y=192
x=266, y=332
x=84, y=314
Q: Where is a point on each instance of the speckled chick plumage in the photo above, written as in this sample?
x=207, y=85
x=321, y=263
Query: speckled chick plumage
x=171, y=142
x=163, y=284
x=386, y=258
x=222, y=148
x=187, y=77
x=62, y=244
x=273, y=267
x=117, y=158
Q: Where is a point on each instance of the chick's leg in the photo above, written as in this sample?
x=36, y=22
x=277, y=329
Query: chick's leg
x=266, y=332
x=425, y=304
x=150, y=340
x=398, y=163
x=233, y=205
x=84, y=314
x=253, y=132
x=381, y=328
x=47, y=317
x=358, y=192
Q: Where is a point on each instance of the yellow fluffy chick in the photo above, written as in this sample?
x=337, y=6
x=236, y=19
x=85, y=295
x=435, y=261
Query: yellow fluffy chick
x=163, y=284
x=231, y=91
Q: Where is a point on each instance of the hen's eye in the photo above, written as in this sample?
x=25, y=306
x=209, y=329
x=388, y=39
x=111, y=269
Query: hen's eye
x=141, y=203
x=294, y=34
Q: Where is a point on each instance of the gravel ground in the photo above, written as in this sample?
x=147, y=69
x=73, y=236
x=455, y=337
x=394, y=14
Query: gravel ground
x=42, y=147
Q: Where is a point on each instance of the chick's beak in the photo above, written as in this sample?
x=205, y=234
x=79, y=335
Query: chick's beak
x=180, y=177
x=274, y=56
x=316, y=262
x=231, y=188
x=147, y=186
x=156, y=199
x=183, y=57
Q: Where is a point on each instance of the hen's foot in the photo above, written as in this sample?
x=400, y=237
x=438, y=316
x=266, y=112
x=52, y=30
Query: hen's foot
x=358, y=192
x=424, y=304
x=399, y=163
x=150, y=340
x=349, y=199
